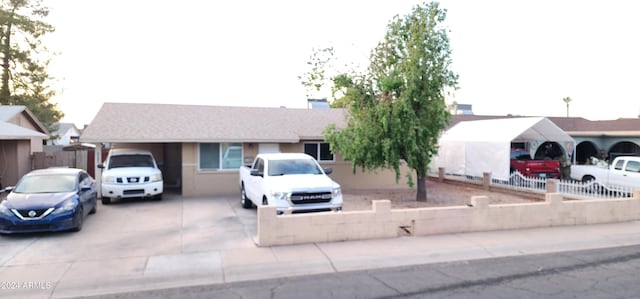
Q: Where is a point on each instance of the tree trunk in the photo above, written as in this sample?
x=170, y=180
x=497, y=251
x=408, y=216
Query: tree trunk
x=422, y=187
x=5, y=95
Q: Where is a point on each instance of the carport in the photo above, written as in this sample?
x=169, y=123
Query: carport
x=471, y=148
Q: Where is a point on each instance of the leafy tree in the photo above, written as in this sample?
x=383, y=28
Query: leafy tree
x=397, y=108
x=24, y=79
x=315, y=78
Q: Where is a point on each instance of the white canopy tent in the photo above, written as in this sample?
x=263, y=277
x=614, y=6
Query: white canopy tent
x=474, y=147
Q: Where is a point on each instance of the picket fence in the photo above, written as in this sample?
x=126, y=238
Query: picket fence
x=570, y=188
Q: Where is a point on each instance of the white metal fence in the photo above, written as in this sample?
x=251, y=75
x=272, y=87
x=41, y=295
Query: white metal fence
x=518, y=181
x=593, y=189
x=569, y=188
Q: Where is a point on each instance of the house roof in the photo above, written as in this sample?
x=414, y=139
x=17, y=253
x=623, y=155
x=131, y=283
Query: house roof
x=148, y=123
x=575, y=126
x=7, y=112
x=12, y=132
x=65, y=127
x=9, y=131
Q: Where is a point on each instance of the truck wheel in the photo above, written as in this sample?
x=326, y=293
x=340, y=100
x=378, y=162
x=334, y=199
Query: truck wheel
x=265, y=202
x=246, y=202
x=587, y=178
x=591, y=185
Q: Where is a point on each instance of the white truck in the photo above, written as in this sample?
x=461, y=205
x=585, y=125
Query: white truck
x=291, y=182
x=624, y=171
x=130, y=173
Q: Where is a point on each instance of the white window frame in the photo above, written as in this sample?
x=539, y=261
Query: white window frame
x=333, y=155
x=220, y=157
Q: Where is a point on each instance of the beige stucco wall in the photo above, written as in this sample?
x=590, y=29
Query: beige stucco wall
x=225, y=182
x=205, y=183
x=343, y=172
x=383, y=222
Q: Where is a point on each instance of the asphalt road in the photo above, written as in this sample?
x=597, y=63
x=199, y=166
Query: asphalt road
x=600, y=273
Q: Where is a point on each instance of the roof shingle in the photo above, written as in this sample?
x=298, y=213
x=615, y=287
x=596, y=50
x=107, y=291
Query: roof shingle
x=127, y=122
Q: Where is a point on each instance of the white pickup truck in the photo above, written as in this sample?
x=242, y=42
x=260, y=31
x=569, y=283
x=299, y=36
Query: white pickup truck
x=291, y=182
x=624, y=171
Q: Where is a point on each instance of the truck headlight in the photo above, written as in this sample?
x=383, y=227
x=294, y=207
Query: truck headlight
x=156, y=177
x=336, y=192
x=279, y=195
x=109, y=179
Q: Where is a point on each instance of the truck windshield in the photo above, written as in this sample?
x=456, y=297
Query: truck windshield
x=297, y=166
x=130, y=161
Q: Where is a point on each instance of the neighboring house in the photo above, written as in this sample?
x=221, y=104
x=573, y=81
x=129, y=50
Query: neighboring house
x=599, y=138
x=200, y=147
x=67, y=134
x=21, y=134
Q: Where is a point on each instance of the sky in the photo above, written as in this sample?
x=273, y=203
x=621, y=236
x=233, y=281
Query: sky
x=512, y=57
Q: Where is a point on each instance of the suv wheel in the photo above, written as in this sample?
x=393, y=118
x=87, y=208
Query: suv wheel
x=106, y=200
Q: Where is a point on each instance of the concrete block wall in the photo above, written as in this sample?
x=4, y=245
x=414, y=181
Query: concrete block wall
x=383, y=222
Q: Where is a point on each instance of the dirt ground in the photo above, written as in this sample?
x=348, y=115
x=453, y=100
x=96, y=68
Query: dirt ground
x=438, y=195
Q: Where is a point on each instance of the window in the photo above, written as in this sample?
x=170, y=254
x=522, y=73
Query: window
x=618, y=165
x=633, y=166
x=214, y=156
x=320, y=151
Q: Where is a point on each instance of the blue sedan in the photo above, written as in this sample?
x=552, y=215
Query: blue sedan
x=53, y=199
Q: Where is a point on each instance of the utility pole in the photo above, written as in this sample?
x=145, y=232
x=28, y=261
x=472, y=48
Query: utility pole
x=567, y=100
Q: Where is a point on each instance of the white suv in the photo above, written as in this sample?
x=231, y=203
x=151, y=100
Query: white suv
x=130, y=173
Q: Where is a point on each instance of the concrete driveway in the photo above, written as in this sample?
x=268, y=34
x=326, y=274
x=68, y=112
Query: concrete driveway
x=179, y=242
x=127, y=241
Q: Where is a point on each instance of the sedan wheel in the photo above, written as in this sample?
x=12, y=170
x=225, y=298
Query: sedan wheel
x=95, y=207
x=80, y=221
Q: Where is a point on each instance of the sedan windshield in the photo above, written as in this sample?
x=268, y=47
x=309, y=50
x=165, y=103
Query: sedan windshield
x=298, y=166
x=46, y=184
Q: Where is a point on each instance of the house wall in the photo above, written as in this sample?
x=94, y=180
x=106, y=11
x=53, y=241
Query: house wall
x=22, y=120
x=15, y=161
x=8, y=163
x=205, y=183
x=225, y=182
x=383, y=222
x=35, y=144
x=65, y=139
x=348, y=180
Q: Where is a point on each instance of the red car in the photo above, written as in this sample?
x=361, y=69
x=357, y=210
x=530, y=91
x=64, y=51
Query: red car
x=521, y=161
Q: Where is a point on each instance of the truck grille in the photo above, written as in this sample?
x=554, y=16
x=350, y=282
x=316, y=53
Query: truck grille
x=309, y=198
x=133, y=192
x=132, y=180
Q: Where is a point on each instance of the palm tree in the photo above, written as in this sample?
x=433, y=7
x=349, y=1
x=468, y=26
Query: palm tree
x=567, y=100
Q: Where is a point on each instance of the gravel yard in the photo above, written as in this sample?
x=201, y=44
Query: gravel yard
x=438, y=195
